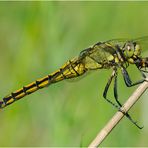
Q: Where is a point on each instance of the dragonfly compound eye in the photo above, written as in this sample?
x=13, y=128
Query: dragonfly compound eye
x=128, y=49
x=137, y=50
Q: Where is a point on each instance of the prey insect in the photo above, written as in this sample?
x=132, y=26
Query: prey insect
x=113, y=54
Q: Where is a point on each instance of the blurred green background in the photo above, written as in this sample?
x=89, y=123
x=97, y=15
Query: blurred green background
x=36, y=38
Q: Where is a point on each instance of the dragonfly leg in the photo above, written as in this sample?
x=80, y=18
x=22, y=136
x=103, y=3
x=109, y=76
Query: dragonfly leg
x=116, y=98
x=127, y=78
x=114, y=75
x=115, y=91
x=143, y=70
x=106, y=90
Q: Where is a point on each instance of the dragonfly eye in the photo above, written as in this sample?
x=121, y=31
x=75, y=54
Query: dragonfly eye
x=137, y=49
x=129, y=48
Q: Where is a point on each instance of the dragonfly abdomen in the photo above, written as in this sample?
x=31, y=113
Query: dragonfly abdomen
x=71, y=69
x=25, y=90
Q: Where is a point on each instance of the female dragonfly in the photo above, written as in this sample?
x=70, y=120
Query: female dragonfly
x=113, y=54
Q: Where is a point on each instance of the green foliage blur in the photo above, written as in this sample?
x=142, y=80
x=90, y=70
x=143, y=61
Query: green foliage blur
x=36, y=38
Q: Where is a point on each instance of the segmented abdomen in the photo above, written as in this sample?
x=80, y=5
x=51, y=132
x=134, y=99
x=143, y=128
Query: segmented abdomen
x=71, y=69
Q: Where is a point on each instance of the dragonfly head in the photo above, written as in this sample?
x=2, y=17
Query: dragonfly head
x=131, y=49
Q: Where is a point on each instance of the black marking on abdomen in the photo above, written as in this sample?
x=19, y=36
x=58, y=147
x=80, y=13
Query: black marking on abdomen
x=73, y=68
x=37, y=83
x=61, y=71
x=13, y=95
x=25, y=90
x=1, y=103
x=6, y=99
x=49, y=78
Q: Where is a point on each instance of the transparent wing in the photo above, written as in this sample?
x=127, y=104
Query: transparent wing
x=143, y=42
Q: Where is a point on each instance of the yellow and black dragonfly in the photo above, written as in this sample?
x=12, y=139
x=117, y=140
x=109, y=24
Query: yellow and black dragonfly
x=113, y=54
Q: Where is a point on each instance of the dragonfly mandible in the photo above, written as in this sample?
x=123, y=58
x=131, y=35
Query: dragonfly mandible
x=113, y=54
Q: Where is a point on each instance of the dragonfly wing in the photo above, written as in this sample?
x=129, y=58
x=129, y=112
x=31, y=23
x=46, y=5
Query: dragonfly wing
x=143, y=43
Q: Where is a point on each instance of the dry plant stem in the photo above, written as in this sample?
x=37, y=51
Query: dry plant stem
x=119, y=115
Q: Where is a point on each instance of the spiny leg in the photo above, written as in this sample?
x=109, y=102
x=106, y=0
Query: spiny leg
x=127, y=78
x=143, y=70
x=116, y=98
x=115, y=91
x=129, y=83
x=143, y=74
x=106, y=90
x=114, y=75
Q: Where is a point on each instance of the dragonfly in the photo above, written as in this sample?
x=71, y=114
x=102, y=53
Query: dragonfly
x=116, y=54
